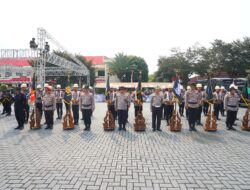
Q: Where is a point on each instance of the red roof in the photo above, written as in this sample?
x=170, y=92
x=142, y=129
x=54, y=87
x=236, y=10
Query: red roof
x=14, y=62
x=96, y=60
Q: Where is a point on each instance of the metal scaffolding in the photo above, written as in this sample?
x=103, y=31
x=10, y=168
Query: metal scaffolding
x=41, y=56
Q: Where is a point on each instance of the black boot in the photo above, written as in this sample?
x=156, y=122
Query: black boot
x=120, y=128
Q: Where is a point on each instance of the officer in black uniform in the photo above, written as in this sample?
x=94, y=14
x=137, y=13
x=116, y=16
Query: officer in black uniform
x=20, y=108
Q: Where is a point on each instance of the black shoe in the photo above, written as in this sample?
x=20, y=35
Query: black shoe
x=86, y=129
x=120, y=128
x=48, y=127
x=18, y=127
x=58, y=118
x=154, y=129
x=159, y=130
x=199, y=124
x=21, y=128
x=194, y=129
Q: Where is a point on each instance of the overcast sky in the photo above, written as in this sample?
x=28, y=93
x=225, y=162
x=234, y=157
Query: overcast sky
x=146, y=28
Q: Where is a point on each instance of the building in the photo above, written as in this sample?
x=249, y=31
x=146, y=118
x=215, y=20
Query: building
x=15, y=71
x=100, y=64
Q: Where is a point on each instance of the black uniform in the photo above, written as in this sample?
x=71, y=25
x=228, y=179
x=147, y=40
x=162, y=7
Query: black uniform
x=20, y=106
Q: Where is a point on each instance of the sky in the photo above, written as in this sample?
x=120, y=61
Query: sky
x=145, y=28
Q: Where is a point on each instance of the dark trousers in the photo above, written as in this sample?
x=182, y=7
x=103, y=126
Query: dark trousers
x=59, y=110
x=4, y=108
x=49, y=117
x=216, y=110
x=222, y=109
x=205, y=108
x=163, y=112
x=20, y=116
x=199, y=114
x=169, y=112
x=8, y=108
x=138, y=109
x=122, y=117
x=156, y=117
x=87, y=113
x=75, y=110
x=192, y=116
x=181, y=108
x=39, y=106
x=27, y=113
x=187, y=113
x=111, y=109
x=231, y=117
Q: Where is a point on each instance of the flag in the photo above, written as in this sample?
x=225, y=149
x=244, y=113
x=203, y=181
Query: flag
x=139, y=92
x=67, y=95
x=209, y=90
x=107, y=90
x=177, y=89
x=246, y=90
x=33, y=90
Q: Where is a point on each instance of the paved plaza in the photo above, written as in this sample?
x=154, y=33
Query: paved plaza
x=77, y=159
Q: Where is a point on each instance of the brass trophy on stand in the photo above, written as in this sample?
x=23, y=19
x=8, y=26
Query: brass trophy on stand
x=68, y=121
x=175, y=121
x=210, y=124
x=108, y=121
x=139, y=124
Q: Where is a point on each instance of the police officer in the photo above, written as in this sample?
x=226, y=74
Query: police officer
x=49, y=106
x=182, y=103
x=169, y=103
x=155, y=108
x=192, y=104
x=27, y=110
x=75, y=103
x=59, y=104
x=38, y=102
x=217, y=99
x=186, y=108
x=200, y=93
x=3, y=101
x=122, y=103
x=9, y=101
x=87, y=105
x=231, y=104
x=223, y=94
x=20, y=107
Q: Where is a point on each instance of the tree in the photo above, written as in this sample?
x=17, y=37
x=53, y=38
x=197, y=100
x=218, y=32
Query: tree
x=123, y=66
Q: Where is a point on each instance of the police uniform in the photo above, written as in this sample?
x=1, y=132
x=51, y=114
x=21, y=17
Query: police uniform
x=155, y=106
x=87, y=105
x=192, y=104
x=231, y=103
x=75, y=106
x=59, y=104
x=217, y=97
x=49, y=106
x=3, y=101
x=169, y=106
x=223, y=94
x=38, y=102
x=19, y=107
x=200, y=100
x=205, y=103
x=122, y=102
